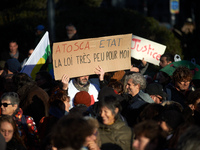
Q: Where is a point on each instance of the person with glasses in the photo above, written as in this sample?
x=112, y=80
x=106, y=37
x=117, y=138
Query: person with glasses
x=178, y=89
x=156, y=92
x=10, y=107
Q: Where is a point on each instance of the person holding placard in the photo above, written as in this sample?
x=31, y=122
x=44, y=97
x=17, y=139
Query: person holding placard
x=82, y=84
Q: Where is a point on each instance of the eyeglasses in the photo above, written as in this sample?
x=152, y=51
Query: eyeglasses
x=184, y=82
x=5, y=104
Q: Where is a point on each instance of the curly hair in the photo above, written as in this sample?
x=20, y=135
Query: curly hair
x=181, y=74
x=137, y=79
x=58, y=94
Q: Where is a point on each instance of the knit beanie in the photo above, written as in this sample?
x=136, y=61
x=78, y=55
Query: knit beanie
x=82, y=97
x=13, y=65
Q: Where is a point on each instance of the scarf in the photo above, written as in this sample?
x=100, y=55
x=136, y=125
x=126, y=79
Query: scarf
x=84, y=88
x=15, y=56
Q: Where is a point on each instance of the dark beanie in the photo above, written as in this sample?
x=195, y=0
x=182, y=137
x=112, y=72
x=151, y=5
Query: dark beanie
x=13, y=65
x=82, y=97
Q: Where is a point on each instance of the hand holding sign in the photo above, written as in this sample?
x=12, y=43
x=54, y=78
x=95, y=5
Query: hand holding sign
x=65, y=81
x=99, y=71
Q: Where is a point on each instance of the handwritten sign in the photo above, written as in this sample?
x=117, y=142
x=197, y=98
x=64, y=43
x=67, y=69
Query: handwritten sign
x=149, y=50
x=81, y=57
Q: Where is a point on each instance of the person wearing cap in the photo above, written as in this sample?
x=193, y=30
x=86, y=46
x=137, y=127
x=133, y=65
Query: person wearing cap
x=12, y=66
x=40, y=30
x=82, y=97
x=156, y=92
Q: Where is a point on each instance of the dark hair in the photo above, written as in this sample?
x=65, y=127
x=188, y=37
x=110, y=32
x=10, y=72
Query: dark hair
x=21, y=79
x=193, y=97
x=111, y=102
x=70, y=132
x=46, y=75
x=58, y=94
x=150, y=112
x=10, y=120
x=169, y=57
x=182, y=73
x=152, y=130
x=117, y=86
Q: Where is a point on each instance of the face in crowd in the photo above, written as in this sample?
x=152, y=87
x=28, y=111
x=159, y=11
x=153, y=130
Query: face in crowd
x=7, y=108
x=132, y=88
x=13, y=47
x=164, y=62
x=108, y=117
x=83, y=80
x=7, y=130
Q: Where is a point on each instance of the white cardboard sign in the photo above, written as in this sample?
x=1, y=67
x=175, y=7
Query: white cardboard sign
x=149, y=50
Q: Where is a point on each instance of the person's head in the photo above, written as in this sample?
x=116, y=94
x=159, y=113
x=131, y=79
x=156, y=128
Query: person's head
x=71, y=30
x=8, y=83
x=163, y=78
x=43, y=77
x=13, y=46
x=82, y=97
x=182, y=77
x=170, y=120
x=172, y=105
x=149, y=136
x=151, y=112
x=12, y=66
x=109, y=109
x=95, y=125
x=156, y=92
x=30, y=52
x=21, y=79
x=134, y=83
x=193, y=100
x=39, y=30
x=70, y=132
x=117, y=86
x=9, y=103
x=60, y=95
x=166, y=59
x=83, y=80
x=8, y=128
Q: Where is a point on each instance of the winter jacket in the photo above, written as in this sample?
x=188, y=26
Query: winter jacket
x=115, y=136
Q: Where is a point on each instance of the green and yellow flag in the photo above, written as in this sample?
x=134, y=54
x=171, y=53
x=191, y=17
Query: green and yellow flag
x=38, y=58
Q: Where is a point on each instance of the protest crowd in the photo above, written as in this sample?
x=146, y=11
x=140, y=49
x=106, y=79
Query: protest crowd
x=118, y=110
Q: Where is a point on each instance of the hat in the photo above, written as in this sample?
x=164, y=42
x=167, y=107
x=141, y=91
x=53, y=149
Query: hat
x=82, y=97
x=155, y=89
x=40, y=27
x=13, y=65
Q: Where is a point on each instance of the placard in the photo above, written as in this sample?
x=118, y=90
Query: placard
x=81, y=57
x=149, y=50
